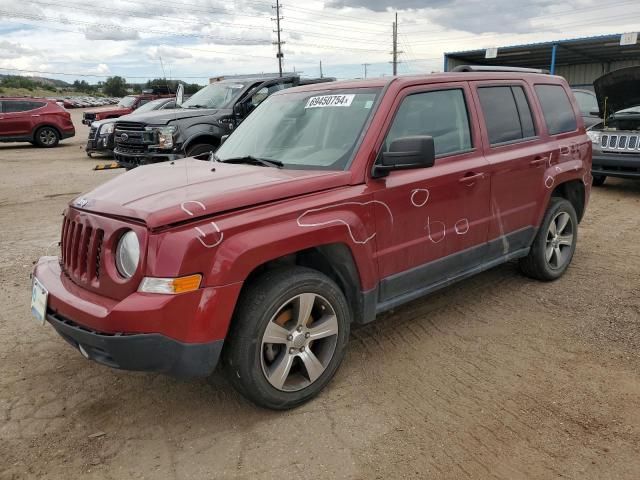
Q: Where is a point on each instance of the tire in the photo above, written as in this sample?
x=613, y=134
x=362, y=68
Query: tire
x=598, y=180
x=274, y=300
x=199, y=149
x=46, y=137
x=551, y=254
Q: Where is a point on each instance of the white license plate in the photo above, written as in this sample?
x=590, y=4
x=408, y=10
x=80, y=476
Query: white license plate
x=39, y=296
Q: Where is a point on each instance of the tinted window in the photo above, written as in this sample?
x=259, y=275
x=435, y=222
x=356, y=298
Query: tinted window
x=506, y=113
x=557, y=109
x=441, y=114
x=10, y=106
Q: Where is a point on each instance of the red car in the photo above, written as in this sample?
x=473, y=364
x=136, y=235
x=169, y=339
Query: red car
x=124, y=107
x=329, y=204
x=36, y=120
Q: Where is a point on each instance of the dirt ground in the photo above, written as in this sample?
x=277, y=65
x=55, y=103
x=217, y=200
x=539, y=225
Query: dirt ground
x=496, y=377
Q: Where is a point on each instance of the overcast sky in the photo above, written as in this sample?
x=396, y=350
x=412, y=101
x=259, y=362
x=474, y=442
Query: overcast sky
x=204, y=38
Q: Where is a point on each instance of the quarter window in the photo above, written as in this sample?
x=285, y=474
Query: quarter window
x=20, y=106
x=441, y=114
x=556, y=107
x=506, y=113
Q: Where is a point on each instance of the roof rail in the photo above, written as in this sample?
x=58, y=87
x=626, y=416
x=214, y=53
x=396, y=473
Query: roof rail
x=491, y=68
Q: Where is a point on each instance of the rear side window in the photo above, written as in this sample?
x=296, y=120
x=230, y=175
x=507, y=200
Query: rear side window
x=506, y=114
x=10, y=106
x=441, y=114
x=557, y=109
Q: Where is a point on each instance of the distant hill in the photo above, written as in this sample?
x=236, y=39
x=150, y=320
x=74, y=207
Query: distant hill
x=43, y=81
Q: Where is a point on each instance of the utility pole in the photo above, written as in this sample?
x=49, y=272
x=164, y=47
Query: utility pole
x=320, y=68
x=278, y=30
x=395, y=46
x=365, y=65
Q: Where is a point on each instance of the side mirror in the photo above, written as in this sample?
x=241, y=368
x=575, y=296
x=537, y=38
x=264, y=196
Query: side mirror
x=405, y=153
x=223, y=139
x=179, y=95
x=240, y=110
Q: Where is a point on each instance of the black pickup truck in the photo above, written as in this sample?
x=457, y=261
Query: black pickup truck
x=199, y=125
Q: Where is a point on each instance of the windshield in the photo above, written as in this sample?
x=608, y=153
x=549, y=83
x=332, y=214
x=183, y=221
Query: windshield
x=215, y=95
x=153, y=105
x=587, y=102
x=305, y=130
x=127, y=101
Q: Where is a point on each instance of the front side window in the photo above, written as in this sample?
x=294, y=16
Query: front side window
x=304, y=130
x=587, y=102
x=506, y=114
x=126, y=102
x=441, y=114
x=556, y=108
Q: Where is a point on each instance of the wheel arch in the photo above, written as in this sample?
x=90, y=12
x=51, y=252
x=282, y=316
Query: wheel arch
x=42, y=125
x=574, y=192
x=201, y=138
x=334, y=260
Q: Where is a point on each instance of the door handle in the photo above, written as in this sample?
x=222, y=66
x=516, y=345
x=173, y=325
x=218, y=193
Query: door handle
x=565, y=150
x=35, y=115
x=470, y=178
x=537, y=161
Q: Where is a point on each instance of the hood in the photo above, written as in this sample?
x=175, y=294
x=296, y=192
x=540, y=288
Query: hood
x=163, y=117
x=109, y=109
x=620, y=88
x=159, y=194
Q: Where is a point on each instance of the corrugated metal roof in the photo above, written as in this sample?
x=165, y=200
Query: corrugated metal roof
x=596, y=49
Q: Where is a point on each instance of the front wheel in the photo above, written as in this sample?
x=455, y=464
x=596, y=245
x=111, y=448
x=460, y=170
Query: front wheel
x=598, y=180
x=288, y=338
x=555, y=242
x=199, y=149
x=46, y=137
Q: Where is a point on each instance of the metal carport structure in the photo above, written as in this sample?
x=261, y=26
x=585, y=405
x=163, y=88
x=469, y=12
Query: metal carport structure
x=579, y=60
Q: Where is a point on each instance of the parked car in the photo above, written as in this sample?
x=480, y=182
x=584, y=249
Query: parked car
x=38, y=121
x=330, y=204
x=101, y=132
x=200, y=125
x=125, y=106
x=616, y=139
x=588, y=104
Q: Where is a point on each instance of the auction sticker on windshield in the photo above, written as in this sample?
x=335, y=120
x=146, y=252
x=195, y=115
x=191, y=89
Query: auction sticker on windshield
x=39, y=296
x=330, y=101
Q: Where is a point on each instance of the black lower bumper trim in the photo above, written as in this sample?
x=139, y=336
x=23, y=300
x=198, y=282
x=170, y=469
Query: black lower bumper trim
x=150, y=352
x=624, y=165
x=136, y=160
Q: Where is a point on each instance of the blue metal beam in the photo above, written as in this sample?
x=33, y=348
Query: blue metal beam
x=552, y=68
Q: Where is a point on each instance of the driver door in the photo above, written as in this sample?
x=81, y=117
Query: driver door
x=440, y=214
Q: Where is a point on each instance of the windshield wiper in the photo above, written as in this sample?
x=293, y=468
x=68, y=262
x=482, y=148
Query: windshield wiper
x=197, y=106
x=267, y=162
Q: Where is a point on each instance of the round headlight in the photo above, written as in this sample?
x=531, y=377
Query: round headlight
x=128, y=254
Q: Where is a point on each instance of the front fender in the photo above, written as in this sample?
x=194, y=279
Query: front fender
x=226, y=250
x=193, y=132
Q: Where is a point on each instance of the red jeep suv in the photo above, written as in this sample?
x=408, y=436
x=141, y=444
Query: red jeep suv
x=329, y=204
x=36, y=120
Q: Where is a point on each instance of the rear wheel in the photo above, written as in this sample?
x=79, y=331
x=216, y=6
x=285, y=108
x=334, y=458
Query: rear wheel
x=598, y=180
x=46, y=137
x=555, y=242
x=199, y=149
x=288, y=338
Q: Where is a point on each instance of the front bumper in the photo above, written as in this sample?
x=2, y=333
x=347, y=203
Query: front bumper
x=149, y=352
x=131, y=160
x=88, y=121
x=624, y=165
x=176, y=334
x=100, y=144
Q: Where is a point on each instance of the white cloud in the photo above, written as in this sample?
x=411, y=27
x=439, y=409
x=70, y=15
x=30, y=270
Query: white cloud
x=167, y=52
x=116, y=34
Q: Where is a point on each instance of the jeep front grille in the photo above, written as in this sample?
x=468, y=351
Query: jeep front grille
x=620, y=142
x=81, y=247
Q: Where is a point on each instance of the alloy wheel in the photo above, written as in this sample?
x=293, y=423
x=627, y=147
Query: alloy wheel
x=560, y=237
x=299, y=342
x=47, y=136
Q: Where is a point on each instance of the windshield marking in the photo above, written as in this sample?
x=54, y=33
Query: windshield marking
x=330, y=101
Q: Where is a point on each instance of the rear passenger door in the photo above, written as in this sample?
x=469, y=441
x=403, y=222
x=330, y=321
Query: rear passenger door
x=16, y=118
x=436, y=220
x=519, y=157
